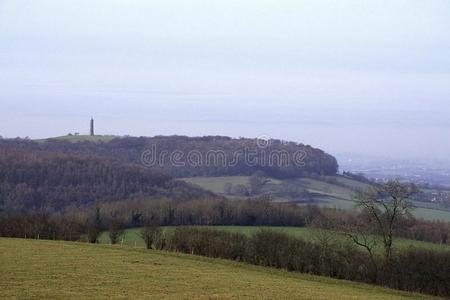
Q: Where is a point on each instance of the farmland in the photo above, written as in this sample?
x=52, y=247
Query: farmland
x=335, y=192
x=50, y=269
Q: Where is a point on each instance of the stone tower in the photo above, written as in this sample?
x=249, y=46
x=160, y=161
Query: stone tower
x=92, y=126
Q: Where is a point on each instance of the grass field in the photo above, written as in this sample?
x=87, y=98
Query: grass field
x=63, y=270
x=133, y=238
x=83, y=138
x=217, y=184
x=326, y=194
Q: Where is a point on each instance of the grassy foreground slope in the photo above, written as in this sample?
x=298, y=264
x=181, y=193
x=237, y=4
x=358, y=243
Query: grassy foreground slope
x=49, y=269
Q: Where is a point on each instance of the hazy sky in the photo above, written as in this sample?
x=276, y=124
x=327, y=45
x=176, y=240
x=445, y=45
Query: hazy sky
x=358, y=76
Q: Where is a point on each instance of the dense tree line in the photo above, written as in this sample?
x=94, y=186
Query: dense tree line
x=414, y=270
x=262, y=211
x=42, y=225
x=241, y=156
x=253, y=212
x=37, y=180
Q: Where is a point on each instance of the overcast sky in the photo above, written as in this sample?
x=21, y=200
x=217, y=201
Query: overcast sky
x=370, y=77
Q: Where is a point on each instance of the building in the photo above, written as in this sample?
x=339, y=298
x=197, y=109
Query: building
x=92, y=127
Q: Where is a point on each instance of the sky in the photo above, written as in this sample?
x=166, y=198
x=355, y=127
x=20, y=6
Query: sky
x=348, y=76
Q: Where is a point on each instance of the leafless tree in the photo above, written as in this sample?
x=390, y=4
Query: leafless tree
x=361, y=234
x=384, y=207
x=152, y=236
x=115, y=232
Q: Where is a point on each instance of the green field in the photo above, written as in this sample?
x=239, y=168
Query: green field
x=217, y=184
x=83, y=138
x=338, y=193
x=133, y=238
x=63, y=270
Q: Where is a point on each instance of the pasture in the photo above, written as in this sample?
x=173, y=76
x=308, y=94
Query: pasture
x=63, y=270
x=85, y=138
x=336, y=192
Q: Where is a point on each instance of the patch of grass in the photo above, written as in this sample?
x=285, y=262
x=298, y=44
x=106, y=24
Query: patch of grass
x=325, y=188
x=84, y=138
x=350, y=182
x=431, y=214
x=64, y=270
x=217, y=184
x=133, y=237
x=331, y=202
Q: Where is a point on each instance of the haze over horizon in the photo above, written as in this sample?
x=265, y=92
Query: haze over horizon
x=343, y=76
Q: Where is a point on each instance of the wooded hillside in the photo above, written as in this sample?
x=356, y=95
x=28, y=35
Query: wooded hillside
x=182, y=156
x=37, y=179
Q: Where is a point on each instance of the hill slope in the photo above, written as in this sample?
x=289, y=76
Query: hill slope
x=182, y=156
x=36, y=179
x=327, y=191
x=69, y=270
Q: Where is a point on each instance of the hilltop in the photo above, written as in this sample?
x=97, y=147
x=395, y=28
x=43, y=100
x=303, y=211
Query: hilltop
x=74, y=138
x=182, y=156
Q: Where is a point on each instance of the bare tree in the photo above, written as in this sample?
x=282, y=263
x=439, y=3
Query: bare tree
x=94, y=227
x=93, y=232
x=152, y=235
x=361, y=234
x=115, y=232
x=384, y=207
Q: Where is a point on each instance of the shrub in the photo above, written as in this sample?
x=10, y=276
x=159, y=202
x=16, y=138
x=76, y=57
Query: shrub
x=152, y=235
x=115, y=232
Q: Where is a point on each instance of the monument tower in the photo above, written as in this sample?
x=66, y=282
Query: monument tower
x=92, y=126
